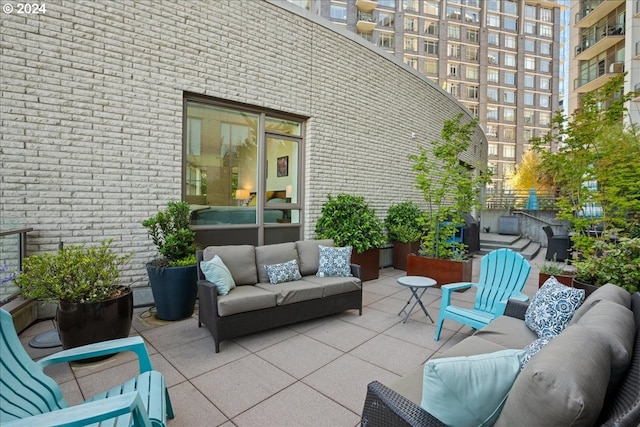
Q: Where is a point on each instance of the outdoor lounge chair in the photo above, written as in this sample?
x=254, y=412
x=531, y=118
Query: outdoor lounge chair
x=28, y=397
x=503, y=274
x=558, y=246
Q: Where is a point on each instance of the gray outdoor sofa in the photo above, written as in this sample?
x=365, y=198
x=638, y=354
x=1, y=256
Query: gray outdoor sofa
x=588, y=375
x=255, y=304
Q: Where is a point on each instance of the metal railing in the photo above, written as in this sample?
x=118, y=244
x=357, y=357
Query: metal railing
x=514, y=199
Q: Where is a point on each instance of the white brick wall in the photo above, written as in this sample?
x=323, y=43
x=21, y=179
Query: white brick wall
x=92, y=100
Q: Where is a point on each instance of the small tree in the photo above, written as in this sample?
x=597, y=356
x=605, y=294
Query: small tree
x=528, y=174
x=450, y=188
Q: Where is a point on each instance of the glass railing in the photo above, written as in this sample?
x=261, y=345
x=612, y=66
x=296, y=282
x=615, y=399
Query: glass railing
x=13, y=249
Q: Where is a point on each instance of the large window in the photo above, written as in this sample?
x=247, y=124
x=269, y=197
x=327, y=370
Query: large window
x=233, y=173
x=431, y=47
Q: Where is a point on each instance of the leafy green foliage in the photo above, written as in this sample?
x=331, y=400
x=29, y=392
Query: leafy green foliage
x=450, y=188
x=75, y=274
x=349, y=221
x=611, y=262
x=402, y=222
x=170, y=232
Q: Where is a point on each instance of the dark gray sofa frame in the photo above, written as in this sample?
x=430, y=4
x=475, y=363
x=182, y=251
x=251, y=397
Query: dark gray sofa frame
x=385, y=407
x=227, y=327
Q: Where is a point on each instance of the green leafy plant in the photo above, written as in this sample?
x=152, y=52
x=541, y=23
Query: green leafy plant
x=611, y=262
x=450, y=188
x=402, y=222
x=349, y=221
x=77, y=274
x=553, y=268
x=170, y=232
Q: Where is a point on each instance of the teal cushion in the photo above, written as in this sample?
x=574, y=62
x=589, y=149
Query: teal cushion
x=217, y=273
x=469, y=390
x=283, y=272
x=334, y=262
x=552, y=307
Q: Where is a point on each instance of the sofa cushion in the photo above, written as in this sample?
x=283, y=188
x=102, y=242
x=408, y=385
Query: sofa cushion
x=334, y=262
x=283, y=272
x=563, y=385
x=410, y=385
x=309, y=254
x=508, y=332
x=245, y=298
x=335, y=285
x=273, y=254
x=239, y=259
x=608, y=292
x=290, y=292
x=469, y=390
x=217, y=273
x=552, y=307
x=470, y=346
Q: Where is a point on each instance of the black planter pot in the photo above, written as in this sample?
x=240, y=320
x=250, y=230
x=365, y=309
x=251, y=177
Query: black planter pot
x=174, y=290
x=88, y=323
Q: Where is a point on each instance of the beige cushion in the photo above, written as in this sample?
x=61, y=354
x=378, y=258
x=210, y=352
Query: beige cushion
x=410, y=385
x=245, y=298
x=290, y=292
x=471, y=346
x=274, y=254
x=309, y=255
x=563, y=385
x=335, y=285
x=608, y=292
x=508, y=332
x=239, y=259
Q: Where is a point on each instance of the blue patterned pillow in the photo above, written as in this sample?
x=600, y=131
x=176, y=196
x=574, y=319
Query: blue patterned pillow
x=334, y=262
x=552, y=307
x=533, y=348
x=283, y=272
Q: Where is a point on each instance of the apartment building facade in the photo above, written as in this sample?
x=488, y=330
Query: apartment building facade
x=499, y=58
x=605, y=42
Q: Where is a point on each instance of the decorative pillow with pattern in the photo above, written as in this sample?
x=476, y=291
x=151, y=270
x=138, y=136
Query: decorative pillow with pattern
x=552, y=307
x=334, y=262
x=283, y=272
x=533, y=348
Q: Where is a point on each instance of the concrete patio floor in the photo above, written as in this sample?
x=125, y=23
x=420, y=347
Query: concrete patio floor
x=308, y=374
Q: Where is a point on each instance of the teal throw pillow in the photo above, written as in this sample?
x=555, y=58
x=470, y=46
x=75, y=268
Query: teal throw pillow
x=334, y=261
x=217, y=273
x=283, y=272
x=469, y=390
x=552, y=307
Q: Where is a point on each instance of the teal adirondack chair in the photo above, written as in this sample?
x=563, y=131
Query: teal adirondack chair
x=503, y=274
x=28, y=397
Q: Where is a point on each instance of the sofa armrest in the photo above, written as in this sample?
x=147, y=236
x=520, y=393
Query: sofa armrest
x=356, y=270
x=516, y=308
x=208, y=300
x=385, y=407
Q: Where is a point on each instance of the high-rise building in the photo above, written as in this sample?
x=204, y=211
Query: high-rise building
x=605, y=42
x=500, y=58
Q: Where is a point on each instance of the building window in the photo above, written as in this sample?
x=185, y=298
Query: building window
x=510, y=23
x=385, y=20
x=544, y=101
x=471, y=53
x=431, y=47
x=410, y=5
x=509, y=151
x=471, y=17
x=546, y=15
x=545, y=30
x=492, y=113
x=453, y=12
x=544, y=118
x=473, y=3
x=473, y=109
x=545, y=66
x=453, y=70
x=411, y=24
x=226, y=161
x=509, y=115
x=431, y=7
x=493, y=5
x=530, y=45
x=386, y=40
x=509, y=96
x=453, y=50
x=454, y=89
x=411, y=62
x=473, y=35
x=493, y=39
x=492, y=149
x=492, y=94
x=545, y=48
x=509, y=60
x=510, y=78
x=431, y=66
x=492, y=131
x=544, y=83
x=493, y=76
x=528, y=99
x=529, y=11
x=528, y=117
x=510, y=7
x=472, y=73
x=453, y=31
x=411, y=44
x=472, y=92
x=387, y=3
x=527, y=133
x=529, y=63
x=431, y=28
x=494, y=57
x=493, y=20
x=529, y=81
x=529, y=27
x=338, y=12
x=509, y=133
x=510, y=42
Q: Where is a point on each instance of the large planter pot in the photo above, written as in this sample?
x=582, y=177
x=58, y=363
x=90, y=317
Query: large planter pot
x=369, y=262
x=88, y=323
x=565, y=280
x=400, y=252
x=443, y=271
x=174, y=291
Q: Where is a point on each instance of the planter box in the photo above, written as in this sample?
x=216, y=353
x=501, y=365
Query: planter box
x=509, y=225
x=400, y=252
x=369, y=261
x=443, y=271
x=565, y=280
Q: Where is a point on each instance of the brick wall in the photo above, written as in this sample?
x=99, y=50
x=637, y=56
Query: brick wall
x=92, y=105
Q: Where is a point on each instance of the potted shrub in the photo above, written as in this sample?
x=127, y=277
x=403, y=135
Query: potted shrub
x=349, y=221
x=173, y=275
x=451, y=190
x=92, y=304
x=403, y=229
x=554, y=269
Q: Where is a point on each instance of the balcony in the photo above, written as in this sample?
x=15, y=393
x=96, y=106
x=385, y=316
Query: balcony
x=366, y=23
x=591, y=47
x=588, y=17
x=605, y=74
x=366, y=5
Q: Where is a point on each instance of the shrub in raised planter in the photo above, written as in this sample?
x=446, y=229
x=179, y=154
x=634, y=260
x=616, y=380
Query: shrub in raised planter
x=403, y=229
